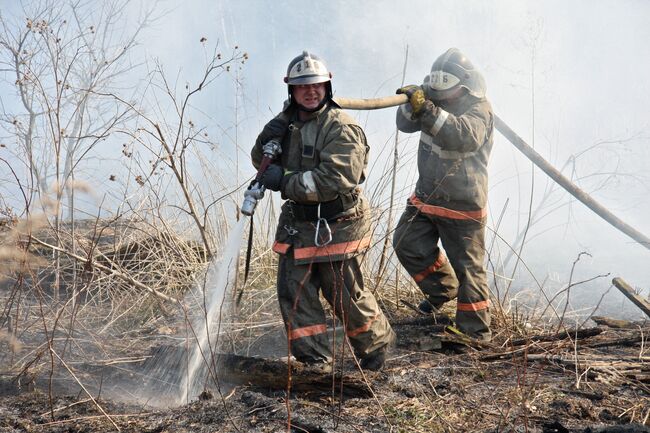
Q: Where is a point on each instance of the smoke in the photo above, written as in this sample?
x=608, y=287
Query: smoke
x=567, y=77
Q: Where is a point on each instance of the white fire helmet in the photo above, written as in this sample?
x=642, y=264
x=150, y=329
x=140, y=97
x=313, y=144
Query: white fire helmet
x=307, y=69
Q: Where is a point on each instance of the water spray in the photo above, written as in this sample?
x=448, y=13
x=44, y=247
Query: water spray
x=255, y=191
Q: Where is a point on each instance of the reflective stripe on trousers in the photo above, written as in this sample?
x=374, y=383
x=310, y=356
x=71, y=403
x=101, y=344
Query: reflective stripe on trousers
x=327, y=250
x=440, y=261
x=341, y=283
x=474, y=306
x=463, y=276
x=444, y=212
x=307, y=331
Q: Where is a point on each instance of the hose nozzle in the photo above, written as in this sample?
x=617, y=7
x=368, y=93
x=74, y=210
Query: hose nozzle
x=251, y=196
x=255, y=192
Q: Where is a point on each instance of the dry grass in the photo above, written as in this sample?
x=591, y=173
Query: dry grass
x=102, y=319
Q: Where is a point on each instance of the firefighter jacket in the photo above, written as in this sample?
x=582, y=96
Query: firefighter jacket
x=324, y=159
x=455, y=144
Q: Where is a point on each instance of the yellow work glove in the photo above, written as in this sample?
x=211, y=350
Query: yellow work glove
x=415, y=95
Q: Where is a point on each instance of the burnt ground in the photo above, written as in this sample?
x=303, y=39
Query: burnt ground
x=593, y=380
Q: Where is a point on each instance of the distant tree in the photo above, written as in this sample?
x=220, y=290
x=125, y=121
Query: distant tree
x=64, y=62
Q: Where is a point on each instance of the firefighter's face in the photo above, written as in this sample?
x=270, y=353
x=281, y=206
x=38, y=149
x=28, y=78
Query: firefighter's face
x=309, y=95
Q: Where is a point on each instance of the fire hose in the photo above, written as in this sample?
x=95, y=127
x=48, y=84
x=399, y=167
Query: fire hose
x=252, y=195
x=256, y=190
x=528, y=151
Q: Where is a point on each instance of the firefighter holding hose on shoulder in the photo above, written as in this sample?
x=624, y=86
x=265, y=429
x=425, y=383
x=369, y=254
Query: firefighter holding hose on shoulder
x=449, y=205
x=324, y=226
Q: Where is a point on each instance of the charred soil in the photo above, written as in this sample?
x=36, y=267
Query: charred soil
x=593, y=380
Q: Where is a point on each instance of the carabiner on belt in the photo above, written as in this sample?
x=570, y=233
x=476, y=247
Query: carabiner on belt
x=327, y=231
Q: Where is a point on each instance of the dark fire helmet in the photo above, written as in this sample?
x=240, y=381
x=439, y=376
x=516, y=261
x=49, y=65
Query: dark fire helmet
x=450, y=71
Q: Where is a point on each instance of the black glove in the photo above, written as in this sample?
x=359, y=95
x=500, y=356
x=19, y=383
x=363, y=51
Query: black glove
x=276, y=128
x=272, y=177
x=415, y=95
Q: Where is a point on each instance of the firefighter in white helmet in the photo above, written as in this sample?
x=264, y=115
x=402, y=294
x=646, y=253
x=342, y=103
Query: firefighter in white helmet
x=449, y=205
x=324, y=225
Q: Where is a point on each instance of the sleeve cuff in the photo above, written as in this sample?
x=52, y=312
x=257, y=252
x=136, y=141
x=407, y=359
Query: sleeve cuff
x=407, y=113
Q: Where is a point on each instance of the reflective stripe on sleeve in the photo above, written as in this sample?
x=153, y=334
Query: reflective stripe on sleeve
x=442, y=259
x=474, y=306
x=447, y=213
x=331, y=249
x=310, y=186
x=307, y=331
x=440, y=121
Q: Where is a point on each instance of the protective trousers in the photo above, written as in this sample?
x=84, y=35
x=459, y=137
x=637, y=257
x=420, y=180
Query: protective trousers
x=442, y=278
x=342, y=285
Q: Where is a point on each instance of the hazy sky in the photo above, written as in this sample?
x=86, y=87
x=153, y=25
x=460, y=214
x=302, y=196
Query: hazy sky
x=583, y=62
x=566, y=76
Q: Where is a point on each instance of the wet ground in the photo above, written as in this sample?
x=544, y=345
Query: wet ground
x=594, y=382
